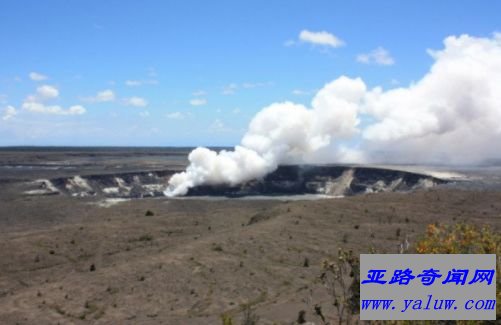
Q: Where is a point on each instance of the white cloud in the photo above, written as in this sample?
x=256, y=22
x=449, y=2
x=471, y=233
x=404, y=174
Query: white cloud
x=144, y=113
x=229, y=89
x=152, y=73
x=103, y=96
x=379, y=56
x=217, y=125
x=35, y=107
x=320, y=38
x=452, y=114
x=47, y=92
x=37, y=103
x=133, y=83
x=198, y=102
x=137, y=83
x=301, y=92
x=135, y=101
x=394, y=82
x=250, y=85
x=175, y=116
x=37, y=76
x=9, y=113
x=199, y=93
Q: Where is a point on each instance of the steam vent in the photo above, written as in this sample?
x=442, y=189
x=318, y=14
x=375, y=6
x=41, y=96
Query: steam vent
x=286, y=180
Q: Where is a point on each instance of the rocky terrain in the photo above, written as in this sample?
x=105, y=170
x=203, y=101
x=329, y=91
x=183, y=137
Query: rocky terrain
x=68, y=259
x=333, y=181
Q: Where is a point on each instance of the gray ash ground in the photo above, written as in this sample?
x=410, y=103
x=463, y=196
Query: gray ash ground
x=69, y=259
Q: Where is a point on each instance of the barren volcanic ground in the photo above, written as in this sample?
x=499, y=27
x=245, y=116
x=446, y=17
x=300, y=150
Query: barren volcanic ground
x=66, y=259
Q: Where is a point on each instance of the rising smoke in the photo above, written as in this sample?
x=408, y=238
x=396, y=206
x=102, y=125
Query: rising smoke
x=452, y=115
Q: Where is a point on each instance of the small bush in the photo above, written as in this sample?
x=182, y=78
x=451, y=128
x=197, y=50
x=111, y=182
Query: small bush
x=217, y=248
x=146, y=237
x=226, y=319
x=306, y=262
x=149, y=213
x=249, y=317
x=301, y=319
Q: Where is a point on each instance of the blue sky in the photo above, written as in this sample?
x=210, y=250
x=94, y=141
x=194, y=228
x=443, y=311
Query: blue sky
x=195, y=72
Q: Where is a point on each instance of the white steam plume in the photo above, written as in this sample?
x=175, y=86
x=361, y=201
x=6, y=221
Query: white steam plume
x=280, y=132
x=451, y=115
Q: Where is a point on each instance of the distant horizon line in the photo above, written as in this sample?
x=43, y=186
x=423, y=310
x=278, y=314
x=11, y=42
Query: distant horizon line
x=106, y=146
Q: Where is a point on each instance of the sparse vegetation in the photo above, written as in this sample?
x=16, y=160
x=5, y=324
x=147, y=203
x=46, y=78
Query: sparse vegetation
x=146, y=237
x=463, y=238
x=217, y=248
x=249, y=316
x=306, y=262
x=226, y=319
x=341, y=278
x=460, y=238
x=301, y=317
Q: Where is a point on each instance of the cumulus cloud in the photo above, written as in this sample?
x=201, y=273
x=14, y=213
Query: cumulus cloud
x=47, y=92
x=103, y=96
x=135, y=101
x=53, y=109
x=198, y=101
x=9, y=112
x=175, y=116
x=320, y=38
x=37, y=103
x=35, y=76
x=451, y=115
x=378, y=56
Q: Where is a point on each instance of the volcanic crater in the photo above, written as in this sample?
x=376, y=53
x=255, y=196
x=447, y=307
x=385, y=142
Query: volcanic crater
x=330, y=180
